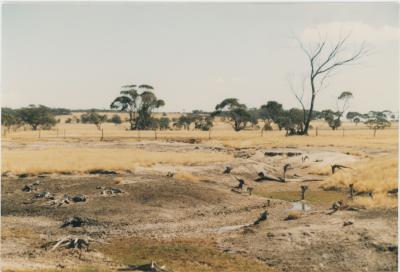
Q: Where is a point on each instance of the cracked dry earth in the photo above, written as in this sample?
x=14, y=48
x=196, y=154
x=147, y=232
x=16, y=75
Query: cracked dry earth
x=159, y=209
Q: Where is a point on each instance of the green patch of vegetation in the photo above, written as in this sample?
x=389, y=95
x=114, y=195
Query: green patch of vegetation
x=316, y=197
x=179, y=255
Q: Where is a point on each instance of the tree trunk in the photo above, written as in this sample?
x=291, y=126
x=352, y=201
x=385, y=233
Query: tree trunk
x=309, y=116
x=131, y=120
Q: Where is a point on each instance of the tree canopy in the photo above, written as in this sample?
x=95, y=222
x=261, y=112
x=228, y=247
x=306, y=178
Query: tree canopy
x=139, y=105
x=37, y=116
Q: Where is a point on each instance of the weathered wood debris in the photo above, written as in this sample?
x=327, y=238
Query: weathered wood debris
x=150, y=267
x=227, y=170
x=263, y=216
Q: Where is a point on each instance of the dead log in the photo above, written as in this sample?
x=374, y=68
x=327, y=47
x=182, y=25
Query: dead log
x=44, y=194
x=111, y=191
x=338, y=167
x=264, y=177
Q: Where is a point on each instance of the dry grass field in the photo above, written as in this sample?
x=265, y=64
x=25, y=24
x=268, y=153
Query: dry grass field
x=194, y=220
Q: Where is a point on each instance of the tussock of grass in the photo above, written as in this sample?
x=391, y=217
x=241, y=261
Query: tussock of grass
x=378, y=175
x=86, y=159
x=377, y=201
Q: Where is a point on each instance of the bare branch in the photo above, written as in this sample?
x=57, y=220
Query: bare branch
x=360, y=53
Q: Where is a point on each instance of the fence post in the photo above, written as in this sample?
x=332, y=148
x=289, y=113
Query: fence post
x=57, y=132
x=64, y=133
x=262, y=132
x=316, y=131
x=102, y=134
x=39, y=132
x=209, y=134
x=155, y=134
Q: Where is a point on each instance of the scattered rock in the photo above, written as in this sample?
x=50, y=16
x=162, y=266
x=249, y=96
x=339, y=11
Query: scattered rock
x=23, y=175
x=73, y=221
x=78, y=198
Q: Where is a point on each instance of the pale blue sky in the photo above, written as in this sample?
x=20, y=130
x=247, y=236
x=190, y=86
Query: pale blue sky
x=77, y=55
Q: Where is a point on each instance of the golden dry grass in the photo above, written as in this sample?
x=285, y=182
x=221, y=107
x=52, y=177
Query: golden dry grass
x=85, y=159
x=377, y=175
x=223, y=133
x=377, y=201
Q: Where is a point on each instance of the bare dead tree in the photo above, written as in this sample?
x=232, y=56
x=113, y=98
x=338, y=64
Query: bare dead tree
x=323, y=60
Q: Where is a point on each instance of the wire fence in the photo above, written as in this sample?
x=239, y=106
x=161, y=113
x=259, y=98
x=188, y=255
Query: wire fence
x=115, y=133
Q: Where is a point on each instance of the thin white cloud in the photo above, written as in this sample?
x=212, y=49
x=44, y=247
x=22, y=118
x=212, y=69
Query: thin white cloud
x=359, y=32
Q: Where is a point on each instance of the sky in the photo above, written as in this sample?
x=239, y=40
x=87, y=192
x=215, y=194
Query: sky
x=78, y=55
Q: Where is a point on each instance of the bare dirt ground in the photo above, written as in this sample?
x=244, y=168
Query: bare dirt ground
x=198, y=224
